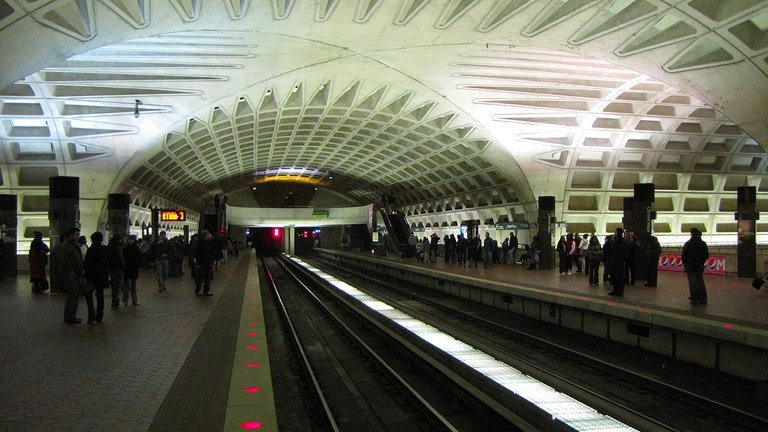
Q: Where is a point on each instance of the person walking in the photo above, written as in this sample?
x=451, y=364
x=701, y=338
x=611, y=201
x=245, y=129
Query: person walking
x=132, y=257
x=69, y=268
x=160, y=253
x=695, y=255
x=96, y=270
x=38, y=260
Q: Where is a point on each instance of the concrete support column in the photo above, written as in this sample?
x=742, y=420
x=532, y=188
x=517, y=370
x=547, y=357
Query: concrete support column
x=119, y=214
x=746, y=217
x=63, y=214
x=545, y=219
x=155, y=224
x=8, y=230
x=641, y=224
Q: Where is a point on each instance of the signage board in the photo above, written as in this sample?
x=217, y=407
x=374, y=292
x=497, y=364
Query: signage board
x=168, y=215
x=674, y=262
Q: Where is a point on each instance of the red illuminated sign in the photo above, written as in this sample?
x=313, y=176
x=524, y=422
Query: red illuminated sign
x=173, y=215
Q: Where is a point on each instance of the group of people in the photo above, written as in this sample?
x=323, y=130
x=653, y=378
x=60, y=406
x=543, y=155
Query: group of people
x=467, y=252
x=618, y=254
x=84, y=270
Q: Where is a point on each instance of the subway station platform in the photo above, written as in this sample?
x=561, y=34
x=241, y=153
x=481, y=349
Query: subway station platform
x=729, y=334
x=176, y=362
x=731, y=299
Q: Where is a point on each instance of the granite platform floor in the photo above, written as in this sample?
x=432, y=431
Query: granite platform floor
x=730, y=299
x=113, y=376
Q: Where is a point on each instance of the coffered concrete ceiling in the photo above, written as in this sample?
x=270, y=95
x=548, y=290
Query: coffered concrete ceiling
x=458, y=108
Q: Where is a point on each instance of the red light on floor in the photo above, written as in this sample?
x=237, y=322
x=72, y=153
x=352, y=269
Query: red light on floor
x=253, y=365
x=728, y=326
x=252, y=347
x=251, y=389
x=644, y=309
x=251, y=425
x=252, y=333
x=252, y=323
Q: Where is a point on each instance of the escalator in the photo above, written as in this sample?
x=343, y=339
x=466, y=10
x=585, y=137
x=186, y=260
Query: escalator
x=398, y=230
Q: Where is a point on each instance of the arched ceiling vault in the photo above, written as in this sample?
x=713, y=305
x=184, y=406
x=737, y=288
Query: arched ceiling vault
x=451, y=106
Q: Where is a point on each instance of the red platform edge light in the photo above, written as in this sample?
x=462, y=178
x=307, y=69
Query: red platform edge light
x=252, y=333
x=251, y=425
x=251, y=389
x=729, y=325
x=253, y=347
x=253, y=365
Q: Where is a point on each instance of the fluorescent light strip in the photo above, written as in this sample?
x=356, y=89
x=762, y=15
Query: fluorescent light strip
x=575, y=414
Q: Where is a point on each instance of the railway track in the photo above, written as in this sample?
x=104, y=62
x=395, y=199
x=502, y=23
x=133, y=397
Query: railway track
x=351, y=376
x=643, y=399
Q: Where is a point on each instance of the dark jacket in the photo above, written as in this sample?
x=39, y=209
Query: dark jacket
x=67, y=258
x=203, y=253
x=695, y=255
x=115, y=259
x=96, y=270
x=132, y=258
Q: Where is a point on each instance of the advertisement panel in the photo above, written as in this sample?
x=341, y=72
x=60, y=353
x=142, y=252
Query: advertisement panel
x=674, y=262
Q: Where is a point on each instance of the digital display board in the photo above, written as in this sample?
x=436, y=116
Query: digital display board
x=167, y=215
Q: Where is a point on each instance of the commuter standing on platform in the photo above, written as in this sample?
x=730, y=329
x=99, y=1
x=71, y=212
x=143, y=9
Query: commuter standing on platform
x=606, y=258
x=116, y=264
x=618, y=254
x=38, y=259
x=461, y=250
x=652, y=255
x=562, y=254
x=161, y=254
x=584, y=252
x=488, y=247
x=433, y=247
x=592, y=258
x=96, y=269
x=69, y=267
x=695, y=255
x=132, y=257
x=204, y=263
x=513, y=245
x=504, y=250
x=451, y=249
x=412, y=242
x=630, y=263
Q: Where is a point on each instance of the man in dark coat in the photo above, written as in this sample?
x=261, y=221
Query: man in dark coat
x=616, y=263
x=69, y=268
x=695, y=255
x=97, y=274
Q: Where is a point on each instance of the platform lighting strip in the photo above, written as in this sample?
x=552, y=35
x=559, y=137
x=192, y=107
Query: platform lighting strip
x=560, y=406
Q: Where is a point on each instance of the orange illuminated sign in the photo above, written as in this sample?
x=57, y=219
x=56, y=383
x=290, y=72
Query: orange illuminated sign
x=173, y=215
